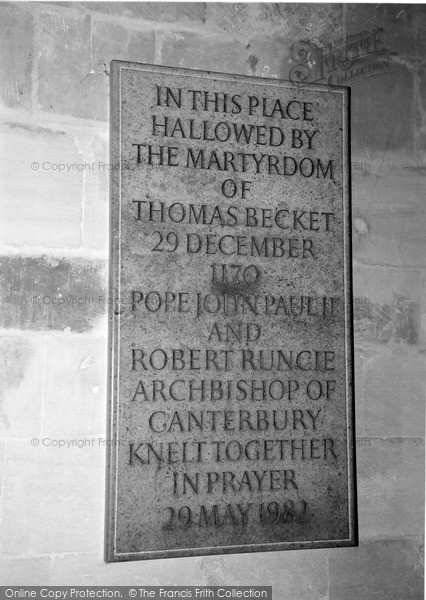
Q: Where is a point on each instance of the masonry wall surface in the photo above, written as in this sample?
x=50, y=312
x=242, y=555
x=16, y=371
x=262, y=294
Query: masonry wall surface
x=54, y=87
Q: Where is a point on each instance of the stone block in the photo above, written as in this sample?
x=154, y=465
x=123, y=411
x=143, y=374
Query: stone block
x=67, y=83
x=394, y=393
x=299, y=574
x=96, y=216
x=52, y=294
x=237, y=17
x=389, y=207
x=53, y=499
x=383, y=570
x=390, y=487
x=96, y=194
x=391, y=91
x=378, y=285
x=320, y=21
x=75, y=388
x=40, y=188
x=208, y=52
x=16, y=55
x=90, y=569
x=387, y=305
x=75, y=54
x=25, y=571
x=191, y=13
x=289, y=19
x=21, y=388
x=112, y=41
x=268, y=56
x=403, y=25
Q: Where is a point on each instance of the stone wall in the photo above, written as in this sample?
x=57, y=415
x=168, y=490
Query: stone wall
x=54, y=74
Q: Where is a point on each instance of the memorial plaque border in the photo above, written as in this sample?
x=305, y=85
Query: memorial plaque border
x=114, y=323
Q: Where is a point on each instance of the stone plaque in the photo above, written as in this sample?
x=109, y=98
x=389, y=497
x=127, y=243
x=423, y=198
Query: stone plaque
x=231, y=401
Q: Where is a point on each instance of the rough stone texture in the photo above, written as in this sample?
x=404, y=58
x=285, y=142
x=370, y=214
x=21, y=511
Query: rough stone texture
x=235, y=18
x=324, y=478
x=16, y=55
x=268, y=56
x=294, y=21
x=383, y=570
x=168, y=12
x=51, y=293
x=211, y=53
x=390, y=487
x=403, y=26
x=40, y=188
